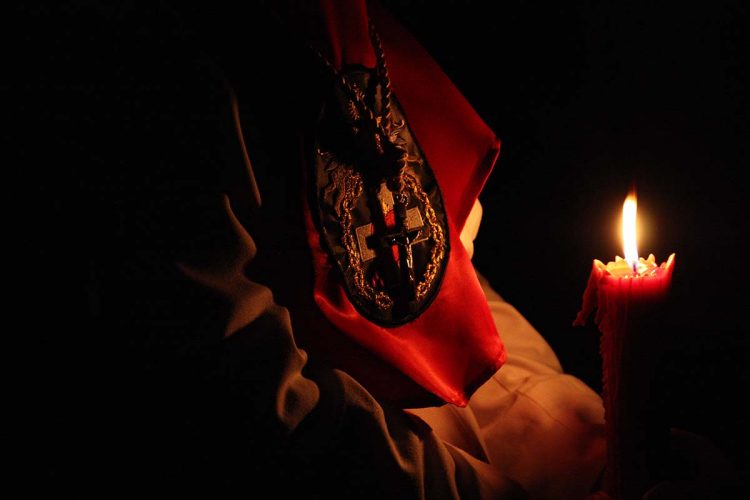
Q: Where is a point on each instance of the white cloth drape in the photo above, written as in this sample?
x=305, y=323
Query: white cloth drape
x=541, y=427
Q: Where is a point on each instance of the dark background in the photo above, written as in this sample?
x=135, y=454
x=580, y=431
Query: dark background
x=589, y=98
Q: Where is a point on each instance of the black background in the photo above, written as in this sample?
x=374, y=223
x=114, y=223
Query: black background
x=589, y=98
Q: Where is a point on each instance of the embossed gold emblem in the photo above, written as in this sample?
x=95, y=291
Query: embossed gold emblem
x=379, y=207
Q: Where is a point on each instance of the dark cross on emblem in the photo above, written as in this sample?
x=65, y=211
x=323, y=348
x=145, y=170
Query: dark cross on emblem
x=404, y=237
x=407, y=232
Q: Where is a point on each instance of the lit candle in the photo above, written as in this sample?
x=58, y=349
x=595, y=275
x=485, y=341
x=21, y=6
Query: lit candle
x=627, y=294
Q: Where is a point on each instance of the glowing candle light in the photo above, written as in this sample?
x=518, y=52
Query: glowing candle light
x=630, y=248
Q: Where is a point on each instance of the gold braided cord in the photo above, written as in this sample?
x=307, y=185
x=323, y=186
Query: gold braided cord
x=382, y=123
x=382, y=70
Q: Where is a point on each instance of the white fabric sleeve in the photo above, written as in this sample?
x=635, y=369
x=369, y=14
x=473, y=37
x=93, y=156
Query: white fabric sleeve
x=471, y=228
x=320, y=433
x=541, y=427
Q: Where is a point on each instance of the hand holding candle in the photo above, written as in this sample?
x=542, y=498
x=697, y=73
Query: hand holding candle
x=627, y=294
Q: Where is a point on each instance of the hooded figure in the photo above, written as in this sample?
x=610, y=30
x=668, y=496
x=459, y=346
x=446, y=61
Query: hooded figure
x=193, y=175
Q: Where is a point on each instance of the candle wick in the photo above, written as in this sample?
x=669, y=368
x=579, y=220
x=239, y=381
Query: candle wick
x=635, y=267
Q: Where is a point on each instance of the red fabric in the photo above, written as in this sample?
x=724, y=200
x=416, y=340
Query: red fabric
x=346, y=29
x=453, y=347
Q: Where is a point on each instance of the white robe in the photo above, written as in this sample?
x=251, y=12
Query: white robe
x=530, y=429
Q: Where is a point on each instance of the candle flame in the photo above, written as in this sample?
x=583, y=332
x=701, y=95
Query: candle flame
x=630, y=248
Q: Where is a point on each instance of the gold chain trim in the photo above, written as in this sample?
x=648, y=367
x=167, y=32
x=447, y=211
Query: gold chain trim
x=351, y=194
x=436, y=235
